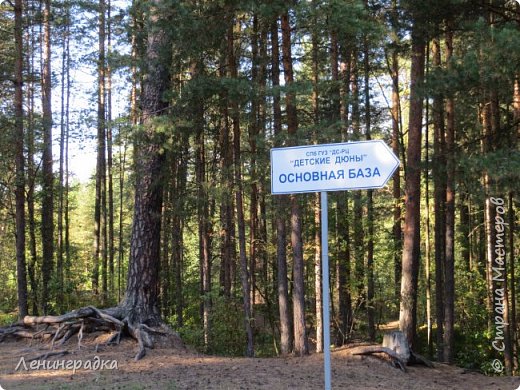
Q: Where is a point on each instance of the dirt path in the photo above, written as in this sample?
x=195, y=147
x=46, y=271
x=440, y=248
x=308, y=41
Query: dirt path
x=168, y=369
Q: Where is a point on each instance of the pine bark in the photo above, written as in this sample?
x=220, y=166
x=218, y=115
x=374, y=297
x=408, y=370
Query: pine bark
x=411, y=244
x=110, y=159
x=396, y=148
x=21, y=273
x=204, y=223
x=449, y=270
x=100, y=202
x=439, y=178
x=141, y=298
x=286, y=339
x=300, y=334
x=317, y=202
x=252, y=138
x=370, y=203
x=61, y=174
x=244, y=272
x=343, y=227
x=47, y=229
x=358, y=239
x=31, y=178
x=226, y=206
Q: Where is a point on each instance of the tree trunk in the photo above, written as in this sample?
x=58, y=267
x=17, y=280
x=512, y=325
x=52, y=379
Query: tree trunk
x=252, y=138
x=281, y=207
x=99, y=216
x=439, y=178
x=411, y=245
x=226, y=206
x=204, y=223
x=244, y=273
x=120, y=257
x=396, y=148
x=48, y=178
x=300, y=336
x=21, y=273
x=264, y=183
x=110, y=163
x=31, y=176
x=343, y=239
x=140, y=301
x=317, y=202
x=427, y=254
x=489, y=212
x=178, y=230
x=357, y=211
x=101, y=180
x=61, y=173
x=370, y=201
x=449, y=270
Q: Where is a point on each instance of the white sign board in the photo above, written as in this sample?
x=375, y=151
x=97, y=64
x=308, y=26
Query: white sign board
x=332, y=167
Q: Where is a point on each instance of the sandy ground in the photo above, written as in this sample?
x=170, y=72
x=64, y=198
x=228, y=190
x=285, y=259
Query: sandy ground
x=180, y=369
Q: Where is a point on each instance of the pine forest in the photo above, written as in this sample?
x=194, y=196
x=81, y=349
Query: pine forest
x=136, y=198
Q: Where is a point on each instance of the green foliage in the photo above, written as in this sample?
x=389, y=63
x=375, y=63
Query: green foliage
x=227, y=335
x=7, y=318
x=474, y=350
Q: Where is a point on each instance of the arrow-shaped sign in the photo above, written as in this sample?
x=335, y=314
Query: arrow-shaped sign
x=332, y=167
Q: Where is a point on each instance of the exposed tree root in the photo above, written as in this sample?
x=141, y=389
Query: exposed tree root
x=57, y=330
x=372, y=349
x=397, y=349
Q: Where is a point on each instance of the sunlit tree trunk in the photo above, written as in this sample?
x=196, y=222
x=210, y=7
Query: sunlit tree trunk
x=449, y=270
x=439, y=179
x=31, y=172
x=110, y=159
x=100, y=202
x=357, y=209
x=62, y=263
x=21, y=272
x=396, y=148
x=179, y=205
x=411, y=245
x=47, y=227
x=370, y=203
x=120, y=255
x=141, y=298
x=252, y=138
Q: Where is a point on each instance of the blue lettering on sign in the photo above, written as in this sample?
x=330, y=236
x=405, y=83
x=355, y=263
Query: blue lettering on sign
x=339, y=174
x=310, y=161
x=349, y=159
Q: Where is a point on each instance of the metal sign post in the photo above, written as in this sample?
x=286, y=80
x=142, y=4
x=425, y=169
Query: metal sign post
x=331, y=167
x=325, y=287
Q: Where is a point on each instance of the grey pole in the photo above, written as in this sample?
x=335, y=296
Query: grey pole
x=325, y=287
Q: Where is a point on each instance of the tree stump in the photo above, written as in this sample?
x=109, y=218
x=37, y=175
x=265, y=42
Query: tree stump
x=396, y=341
